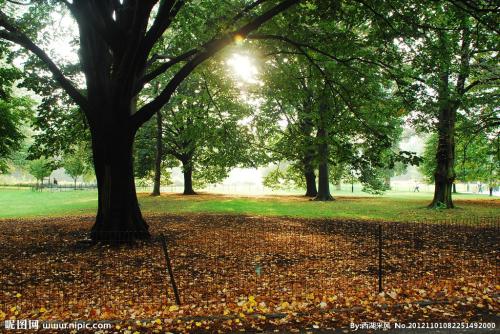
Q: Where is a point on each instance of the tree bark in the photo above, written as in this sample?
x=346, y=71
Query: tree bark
x=311, y=190
x=309, y=175
x=187, y=169
x=119, y=217
x=491, y=191
x=323, y=177
x=454, y=188
x=159, y=155
x=445, y=158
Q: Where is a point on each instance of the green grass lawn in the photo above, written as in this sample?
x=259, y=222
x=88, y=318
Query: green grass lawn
x=393, y=206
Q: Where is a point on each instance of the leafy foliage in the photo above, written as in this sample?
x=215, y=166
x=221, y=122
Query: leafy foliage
x=41, y=168
x=78, y=163
x=477, y=159
x=15, y=112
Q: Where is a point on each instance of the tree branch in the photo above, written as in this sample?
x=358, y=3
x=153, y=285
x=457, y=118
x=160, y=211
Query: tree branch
x=480, y=82
x=165, y=66
x=207, y=51
x=14, y=35
x=166, y=14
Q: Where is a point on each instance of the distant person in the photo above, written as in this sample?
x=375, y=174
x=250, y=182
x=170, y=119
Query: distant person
x=417, y=188
x=55, y=181
x=480, y=188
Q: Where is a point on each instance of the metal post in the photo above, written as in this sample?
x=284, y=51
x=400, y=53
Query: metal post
x=380, y=258
x=170, y=272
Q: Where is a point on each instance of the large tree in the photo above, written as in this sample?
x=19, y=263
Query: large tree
x=116, y=39
x=452, y=51
x=339, y=106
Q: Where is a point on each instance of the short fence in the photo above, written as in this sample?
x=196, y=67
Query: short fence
x=218, y=259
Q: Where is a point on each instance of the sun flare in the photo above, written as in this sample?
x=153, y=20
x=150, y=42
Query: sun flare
x=244, y=68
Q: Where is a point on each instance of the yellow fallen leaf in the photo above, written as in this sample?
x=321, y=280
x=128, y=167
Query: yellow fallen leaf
x=332, y=299
x=18, y=295
x=43, y=310
x=158, y=321
x=198, y=324
x=173, y=308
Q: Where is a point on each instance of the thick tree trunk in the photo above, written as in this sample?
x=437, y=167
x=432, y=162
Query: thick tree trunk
x=187, y=169
x=445, y=159
x=323, y=177
x=309, y=175
x=311, y=190
x=119, y=217
x=323, y=184
x=159, y=155
x=306, y=128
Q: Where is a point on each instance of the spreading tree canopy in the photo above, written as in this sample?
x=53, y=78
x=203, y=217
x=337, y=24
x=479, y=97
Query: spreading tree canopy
x=116, y=42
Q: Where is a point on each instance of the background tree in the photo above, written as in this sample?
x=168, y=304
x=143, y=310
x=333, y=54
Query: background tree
x=40, y=169
x=205, y=130
x=152, y=167
x=354, y=113
x=15, y=111
x=477, y=159
x=77, y=163
x=453, y=55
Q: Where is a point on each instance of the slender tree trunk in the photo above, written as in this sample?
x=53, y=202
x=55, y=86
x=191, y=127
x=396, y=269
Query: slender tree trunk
x=75, y=182
x=387, y=182
x=491, y=191
x=119, y=217
x=187, y=169
x=323, y=177
x=454, y=188
x=352, y=186
x=159, y=155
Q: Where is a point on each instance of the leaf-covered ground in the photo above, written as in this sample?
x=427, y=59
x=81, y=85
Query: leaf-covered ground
x=252, y=273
